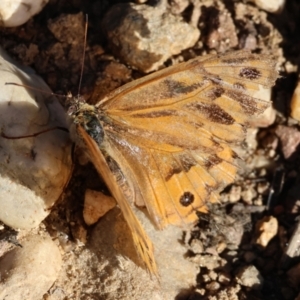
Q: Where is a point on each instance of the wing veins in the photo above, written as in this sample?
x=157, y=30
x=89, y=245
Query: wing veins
x=163, y=180
x=185, y=174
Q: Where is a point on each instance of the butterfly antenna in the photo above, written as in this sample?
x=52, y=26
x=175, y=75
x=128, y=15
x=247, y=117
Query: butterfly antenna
x=32, y=88
x=83, y=54
x=2, y=134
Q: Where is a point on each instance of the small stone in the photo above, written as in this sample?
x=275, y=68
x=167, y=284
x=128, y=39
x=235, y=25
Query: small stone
x=201, y=292
x=96, y=205
x=265, y=230
x=249, y=276
x=233, y=233
x=260, y=160
x=205, y=278
x=28, y=272
x=251, y=138
x=235, y=193
x=220, y=247
x=59, y=25
x=295, y=103
x=146, y=36
x=222, y=32
x=272, y=6
x=206, y=261
x=227, y=293
x=212, y=275
x=248, y=195
x=65, y=242
x=271, y=153
x=289, y=140
x=258, y=201
x=250, y=42
x=196, y=246
x=268, y=117
x=263, y=188
x=232, y=253
x=224, y=278
x=213, y=286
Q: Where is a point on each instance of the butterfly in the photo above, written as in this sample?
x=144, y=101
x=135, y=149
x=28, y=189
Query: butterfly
x=165, y=141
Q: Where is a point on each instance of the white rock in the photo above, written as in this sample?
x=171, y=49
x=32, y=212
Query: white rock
x=272, y=6
x=17, y=12
x=33, y=171
x=28, y=272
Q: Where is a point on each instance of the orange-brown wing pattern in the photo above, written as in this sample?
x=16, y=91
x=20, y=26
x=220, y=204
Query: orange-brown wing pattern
x=170, y=132
x=173, y=185
x=164, y=141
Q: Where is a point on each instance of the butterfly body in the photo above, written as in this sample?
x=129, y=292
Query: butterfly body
x=165, y=141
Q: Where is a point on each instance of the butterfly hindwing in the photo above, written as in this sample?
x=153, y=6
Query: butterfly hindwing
x=160, y=179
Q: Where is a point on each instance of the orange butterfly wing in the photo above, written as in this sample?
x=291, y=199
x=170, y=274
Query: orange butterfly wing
x=170, y=132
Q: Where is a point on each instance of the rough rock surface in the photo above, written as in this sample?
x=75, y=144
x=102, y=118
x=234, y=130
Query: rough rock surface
x=157, y=34
x=28, y=272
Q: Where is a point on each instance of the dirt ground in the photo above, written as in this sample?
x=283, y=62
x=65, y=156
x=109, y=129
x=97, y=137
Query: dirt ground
x=266, y=189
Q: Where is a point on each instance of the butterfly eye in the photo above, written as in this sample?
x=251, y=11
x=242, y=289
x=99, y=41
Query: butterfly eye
x=71, y=110
x=186, y=199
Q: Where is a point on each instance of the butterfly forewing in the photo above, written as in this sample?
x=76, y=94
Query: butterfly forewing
x=240, y=69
